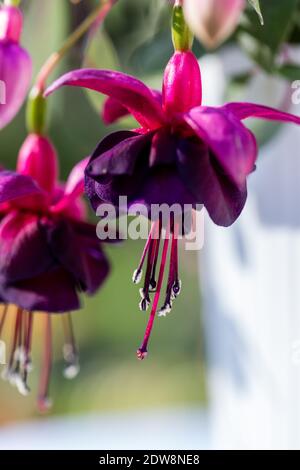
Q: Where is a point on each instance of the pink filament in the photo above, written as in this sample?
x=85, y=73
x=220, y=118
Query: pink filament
x=142, y=351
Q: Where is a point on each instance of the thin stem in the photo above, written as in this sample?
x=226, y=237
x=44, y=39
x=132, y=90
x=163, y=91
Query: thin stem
x=97, y=15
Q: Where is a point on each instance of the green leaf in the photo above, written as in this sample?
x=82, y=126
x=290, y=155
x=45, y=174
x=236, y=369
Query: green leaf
x=256, y=5
x=290, y=72
x=263, y=43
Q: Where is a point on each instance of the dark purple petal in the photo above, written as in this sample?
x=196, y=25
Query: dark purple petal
x=24, y=250
x=15, y=186
x=121, y=158
x=93, y=192
x=132, y=93
x=163, y=148
x=163, y=185
x=247, y=110
x=96, y=265
x=203, y=175
x=106, y=187
x=138, y=167
x=233, y=145
x=53, y=291
x=79, y=252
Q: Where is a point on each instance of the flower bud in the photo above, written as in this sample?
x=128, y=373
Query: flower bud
x=11, y=23
x=38, y=159
x=15, y=65
x=182, y=88
x=213, y=21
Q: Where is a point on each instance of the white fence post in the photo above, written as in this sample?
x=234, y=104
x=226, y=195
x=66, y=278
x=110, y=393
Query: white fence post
x=252, y=307
x=251, y=287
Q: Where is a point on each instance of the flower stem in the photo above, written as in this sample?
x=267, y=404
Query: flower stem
x=98, y=14
x=181, y=34
x=36, y=112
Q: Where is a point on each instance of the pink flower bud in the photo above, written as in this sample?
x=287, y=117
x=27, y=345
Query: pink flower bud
x=11, y=23
x=15, y=65
x=38, y=159
x=213, y=21
x=182, y=89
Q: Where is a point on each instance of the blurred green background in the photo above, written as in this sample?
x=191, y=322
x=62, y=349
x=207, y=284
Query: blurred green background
x=110, y=327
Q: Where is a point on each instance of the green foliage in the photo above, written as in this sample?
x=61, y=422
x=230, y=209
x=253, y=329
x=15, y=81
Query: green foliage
x=256, y=5
x=290, y=72
x=263, y=43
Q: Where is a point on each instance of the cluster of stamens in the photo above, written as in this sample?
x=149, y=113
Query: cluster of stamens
x=19, y=363
x=153, y=283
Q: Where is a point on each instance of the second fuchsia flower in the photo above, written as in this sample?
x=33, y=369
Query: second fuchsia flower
x=183, y=152
x=49, y=255
x=15, y=65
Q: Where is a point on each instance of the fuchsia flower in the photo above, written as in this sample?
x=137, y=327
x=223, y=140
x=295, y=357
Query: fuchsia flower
x=213, y=21
x=183, y=153
x=15, y=65
x=49, y=254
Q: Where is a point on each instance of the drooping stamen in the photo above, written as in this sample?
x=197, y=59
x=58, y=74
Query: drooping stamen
x=19, y=358
x=70, y=350
x=151, y=261
x=177, y=282
x=173, y=284
x=153, y=275
x=7, y=373
x=137, y=275
x=22, y=354
x=44, y=402
x=16, y=371
x=27, y=367
x=142, y=351
x=144, y=292
x=167, y=306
